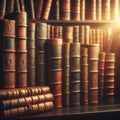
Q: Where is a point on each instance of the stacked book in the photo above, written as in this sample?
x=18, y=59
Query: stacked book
x=25, y=101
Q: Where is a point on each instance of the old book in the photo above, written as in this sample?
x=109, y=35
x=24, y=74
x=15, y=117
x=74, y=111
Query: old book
x=75, y=10
x=17, y=6
x=109, y=80
x=66, y=73
x=84, y=76
x=54, y=62
x=90, y=10
x=46, y=9
x=27, y=110
x=39, y=8
x=82, y=9
x=2, y=9
x=23, y=92
x=105, y=9
x=82, y=34
x=9, y=6
x=22, y=6
x=32, y=9
x=65, y=10
x=25, y=101
x=98, y=9
x=31, y=44
x=41, y=37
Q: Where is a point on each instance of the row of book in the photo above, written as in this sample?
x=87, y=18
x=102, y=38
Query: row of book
x=74, y=9
x=25, y=101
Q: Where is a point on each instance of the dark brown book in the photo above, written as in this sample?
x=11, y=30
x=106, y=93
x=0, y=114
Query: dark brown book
x=65, y=9
x=31, y=44
x=23, y=92
x=32, y=10
x=90, y=10
x=46, y=9
x=27, y=110
x=39, y=9
x=75, y=10
x=21, y=102
x=9, y=6
x=17, y=6
x=2, y=9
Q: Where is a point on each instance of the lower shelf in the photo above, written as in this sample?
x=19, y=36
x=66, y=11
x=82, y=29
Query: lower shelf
x=96, y=112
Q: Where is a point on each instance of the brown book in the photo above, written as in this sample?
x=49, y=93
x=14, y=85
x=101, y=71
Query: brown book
x=2, y=9
x=39, y=8
x=21, y=102
x=114, y=9
x=105, y=9
x=65, y=9
x=27, y=110
x=90, y=10
x=22, y=6
x=82, y=34
x=23, y=92
x=17, y=6
x=109, y=78
x=46, y=9
x=75, y=10
x=9, y=6
x=76, y=34
x=98, y=9
x=82, y=9
x=31, y=66
x=32, y=10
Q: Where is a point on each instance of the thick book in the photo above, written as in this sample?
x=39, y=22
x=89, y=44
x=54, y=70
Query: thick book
x=25, y=101
x=46, y=9
x=27, y=110
x=23, y=92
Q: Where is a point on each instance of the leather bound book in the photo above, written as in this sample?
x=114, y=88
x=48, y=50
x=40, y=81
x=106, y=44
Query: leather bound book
x=99, y=9
x=82, y=9
x=75, y=10
x=17, y=6
x=2, y=9
x=65, y=9
x=82, y=34
x=105, y=9
x=27, y=110
x=9, y=6
x=7, y=28
x=39, y=9
x=46, y=9
x=25, y=101
x=32, y=10
x=114, y=9
x=22, y=6
x=90, y=10
x=75, y=34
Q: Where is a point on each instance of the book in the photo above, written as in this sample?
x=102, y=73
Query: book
x=23, y=92
x=2, y=9
x=17, y=6
x=9, y=6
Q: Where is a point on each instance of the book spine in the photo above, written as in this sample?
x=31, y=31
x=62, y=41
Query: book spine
x=75, y=10
x=27, y=110
x=21, y=49
x=65, y=9
x=90, y=10
x=93, y=51
x=39, y=9
x=32, y=17
x=2, y=9
x=7, y=54
x=82, y=9
x=74, y=74
x=23, y=92
x=17, y=6
x=57, y=11
x=105, y=9
x=68, y=34
x=21, y=102
x=98, y=9
x=9, y=6
x=31, y=66
x=41, y=37
x=22, y=6
x=46, y=9
x=84, y=76
x=101, y=64
x=66, y=73
x=55, y=66
x=114, y=6
x=82, y=34
x=109, y=78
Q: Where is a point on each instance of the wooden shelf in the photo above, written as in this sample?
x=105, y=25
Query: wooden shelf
x=84, y=112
